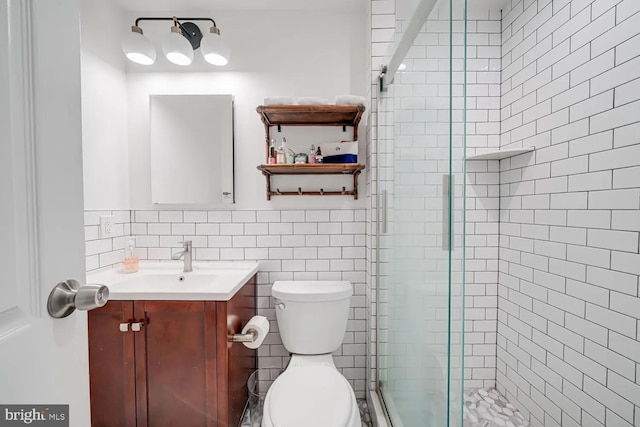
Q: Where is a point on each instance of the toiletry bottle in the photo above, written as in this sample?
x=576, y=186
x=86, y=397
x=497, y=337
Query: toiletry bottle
x=282, y=152
x=289, y=154
x=319, y=157
x=312, y=154
x=130, y=263
x=272, y=152
x=280, y=159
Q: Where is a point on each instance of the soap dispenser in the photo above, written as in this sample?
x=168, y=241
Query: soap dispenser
x=130, y=263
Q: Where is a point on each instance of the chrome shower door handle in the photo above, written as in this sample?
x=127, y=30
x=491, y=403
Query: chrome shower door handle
x=447, y=212
x=383, y=212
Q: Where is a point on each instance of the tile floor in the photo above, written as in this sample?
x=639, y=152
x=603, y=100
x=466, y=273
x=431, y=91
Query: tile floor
x=362, y=404
x=483, y=407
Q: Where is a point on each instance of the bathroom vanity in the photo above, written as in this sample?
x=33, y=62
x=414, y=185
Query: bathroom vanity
x=159, y=362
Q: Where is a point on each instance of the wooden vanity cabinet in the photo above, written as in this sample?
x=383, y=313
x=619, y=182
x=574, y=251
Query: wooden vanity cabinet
x=179, y=369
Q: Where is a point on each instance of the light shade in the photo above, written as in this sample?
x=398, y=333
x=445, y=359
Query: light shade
x=214, y=49
x=177, y=48
x=138, y=48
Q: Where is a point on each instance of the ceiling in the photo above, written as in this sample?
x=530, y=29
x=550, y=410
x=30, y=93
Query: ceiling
x=327, y=5
x=172, y=5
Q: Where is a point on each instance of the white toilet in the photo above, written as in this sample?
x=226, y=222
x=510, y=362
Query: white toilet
x=312, y=318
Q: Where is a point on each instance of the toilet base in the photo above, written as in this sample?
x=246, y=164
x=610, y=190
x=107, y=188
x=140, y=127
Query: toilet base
x=310, y=361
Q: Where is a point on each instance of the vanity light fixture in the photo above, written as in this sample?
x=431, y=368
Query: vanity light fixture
x=179, y=44
x=138, y=48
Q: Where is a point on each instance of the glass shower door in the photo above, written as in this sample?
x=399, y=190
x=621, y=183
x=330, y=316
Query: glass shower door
x=420, y=136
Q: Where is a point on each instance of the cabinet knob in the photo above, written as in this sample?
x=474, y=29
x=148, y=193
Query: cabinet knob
x=136, y=326
x=124, y=327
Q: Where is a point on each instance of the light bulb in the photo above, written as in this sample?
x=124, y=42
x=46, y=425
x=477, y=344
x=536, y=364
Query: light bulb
x=177, y=48
x=214, y=49
x=138, y=48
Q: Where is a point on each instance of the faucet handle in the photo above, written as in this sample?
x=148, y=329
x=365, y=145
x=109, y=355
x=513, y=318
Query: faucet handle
x=186, y=244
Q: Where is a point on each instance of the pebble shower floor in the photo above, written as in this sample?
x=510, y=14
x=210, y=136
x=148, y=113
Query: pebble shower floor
x=486, y=407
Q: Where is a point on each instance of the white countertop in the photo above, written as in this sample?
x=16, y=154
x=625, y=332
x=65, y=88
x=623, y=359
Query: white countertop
x=165, y=280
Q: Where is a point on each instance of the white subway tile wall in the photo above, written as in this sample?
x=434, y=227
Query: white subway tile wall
x=105, y=252
x=289, y=245
x=569, y=306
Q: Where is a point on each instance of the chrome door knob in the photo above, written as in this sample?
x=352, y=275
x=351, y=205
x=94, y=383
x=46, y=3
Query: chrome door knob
x=66, y=296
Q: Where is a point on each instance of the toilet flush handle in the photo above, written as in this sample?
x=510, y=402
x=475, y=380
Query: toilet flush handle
x=280, y=305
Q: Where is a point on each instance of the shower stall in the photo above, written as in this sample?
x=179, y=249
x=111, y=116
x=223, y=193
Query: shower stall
x=418, y=191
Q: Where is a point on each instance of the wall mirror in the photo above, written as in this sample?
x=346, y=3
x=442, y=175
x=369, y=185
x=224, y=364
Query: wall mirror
x=191, y=142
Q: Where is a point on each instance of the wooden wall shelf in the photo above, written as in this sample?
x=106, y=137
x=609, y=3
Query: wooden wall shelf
x=311, y=115
x=312, y=169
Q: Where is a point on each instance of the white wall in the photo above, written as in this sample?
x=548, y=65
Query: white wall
x=569, y=336
x=104, y=107
x=293, y=54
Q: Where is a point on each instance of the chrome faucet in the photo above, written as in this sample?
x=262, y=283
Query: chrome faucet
x=186, y=252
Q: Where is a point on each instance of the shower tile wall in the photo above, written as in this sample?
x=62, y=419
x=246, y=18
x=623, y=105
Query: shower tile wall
x=569, y=306
x=290, y=245
x=482, y=203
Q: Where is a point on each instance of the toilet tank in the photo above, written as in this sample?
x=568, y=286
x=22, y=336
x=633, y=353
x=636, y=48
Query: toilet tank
x=312, y=315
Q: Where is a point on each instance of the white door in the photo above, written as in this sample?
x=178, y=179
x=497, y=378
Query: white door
x=42, y=360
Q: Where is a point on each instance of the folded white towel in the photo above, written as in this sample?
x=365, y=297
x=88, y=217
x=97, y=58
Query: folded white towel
x=312, y=100
x=279, y=100
x=349, y=100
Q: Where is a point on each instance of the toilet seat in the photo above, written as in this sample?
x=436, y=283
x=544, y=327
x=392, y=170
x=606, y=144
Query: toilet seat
x=311, y=396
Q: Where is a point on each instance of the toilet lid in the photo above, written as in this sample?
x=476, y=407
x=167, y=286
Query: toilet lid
x=312, y=396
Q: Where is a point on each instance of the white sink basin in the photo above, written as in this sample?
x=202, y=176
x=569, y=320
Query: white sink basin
x=209, y=281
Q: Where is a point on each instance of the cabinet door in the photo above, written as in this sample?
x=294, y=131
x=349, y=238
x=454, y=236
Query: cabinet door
x=176, y=363
x=111, y=362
